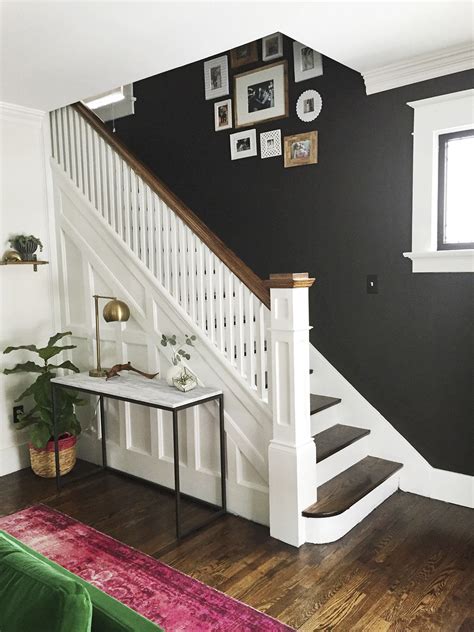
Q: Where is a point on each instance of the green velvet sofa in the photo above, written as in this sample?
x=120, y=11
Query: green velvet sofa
x=37, y=595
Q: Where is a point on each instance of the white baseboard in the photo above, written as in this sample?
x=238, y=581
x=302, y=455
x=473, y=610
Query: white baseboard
x=14, y=458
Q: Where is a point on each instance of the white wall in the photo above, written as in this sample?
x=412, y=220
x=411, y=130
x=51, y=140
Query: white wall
x=27, y=299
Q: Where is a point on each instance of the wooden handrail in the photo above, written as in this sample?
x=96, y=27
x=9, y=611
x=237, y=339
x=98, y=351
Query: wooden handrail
x=205, y=234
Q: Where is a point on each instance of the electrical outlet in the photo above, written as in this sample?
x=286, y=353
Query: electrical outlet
x=372, y=284
x=17, y=412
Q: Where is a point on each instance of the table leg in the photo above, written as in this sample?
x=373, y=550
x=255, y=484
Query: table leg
x=176, y=473
x=223, y=452
x=54, y=408
x=102, y=431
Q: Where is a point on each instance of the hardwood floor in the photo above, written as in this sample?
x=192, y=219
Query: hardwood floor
x=408, y=567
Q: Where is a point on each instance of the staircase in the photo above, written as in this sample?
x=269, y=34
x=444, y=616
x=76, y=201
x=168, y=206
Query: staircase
x=287, y=449
x=350, y=482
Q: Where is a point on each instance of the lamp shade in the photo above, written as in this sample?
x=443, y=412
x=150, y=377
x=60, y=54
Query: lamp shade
x=116, y=310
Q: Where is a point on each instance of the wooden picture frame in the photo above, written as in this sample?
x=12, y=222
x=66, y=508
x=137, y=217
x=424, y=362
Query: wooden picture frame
x=301, y=149
x=261, y=94
x=244, y=55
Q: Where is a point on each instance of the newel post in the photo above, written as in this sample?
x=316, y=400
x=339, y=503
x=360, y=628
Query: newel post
x=292, y=453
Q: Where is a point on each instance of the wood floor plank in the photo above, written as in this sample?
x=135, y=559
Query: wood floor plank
x=408, y=567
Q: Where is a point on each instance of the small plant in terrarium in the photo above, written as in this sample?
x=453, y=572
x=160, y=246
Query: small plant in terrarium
x=179, y=350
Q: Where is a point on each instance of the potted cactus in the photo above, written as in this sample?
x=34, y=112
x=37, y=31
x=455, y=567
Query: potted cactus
x=39, y=420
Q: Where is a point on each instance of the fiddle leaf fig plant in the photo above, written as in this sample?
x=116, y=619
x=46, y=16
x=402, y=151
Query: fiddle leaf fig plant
x=39, y=420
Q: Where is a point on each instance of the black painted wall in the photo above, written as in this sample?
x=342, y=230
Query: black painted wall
x=408, y=349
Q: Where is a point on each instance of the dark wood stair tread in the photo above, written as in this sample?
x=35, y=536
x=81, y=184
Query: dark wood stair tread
x=330, y=441
x=344, y=490
x=321, y=402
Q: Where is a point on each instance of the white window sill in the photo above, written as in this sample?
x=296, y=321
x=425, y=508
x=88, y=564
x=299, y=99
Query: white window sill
x=442, y=261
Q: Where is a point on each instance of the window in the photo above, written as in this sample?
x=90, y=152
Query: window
x=443, y=184
x=113, y=104
x=456, y=190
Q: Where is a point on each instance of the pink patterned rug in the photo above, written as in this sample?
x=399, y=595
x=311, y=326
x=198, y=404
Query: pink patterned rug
x=172, y=600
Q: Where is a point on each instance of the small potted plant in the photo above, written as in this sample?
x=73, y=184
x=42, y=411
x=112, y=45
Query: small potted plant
x=39, y=420
x=26, y=245
x=180, y=353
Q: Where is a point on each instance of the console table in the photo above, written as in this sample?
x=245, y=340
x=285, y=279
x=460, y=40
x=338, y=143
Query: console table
x=135, y=389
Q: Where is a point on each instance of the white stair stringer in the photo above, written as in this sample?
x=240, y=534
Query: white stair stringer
x=322, y=530
x=103, y=255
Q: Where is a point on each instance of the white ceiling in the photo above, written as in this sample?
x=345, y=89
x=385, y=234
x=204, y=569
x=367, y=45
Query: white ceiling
x=55, y=53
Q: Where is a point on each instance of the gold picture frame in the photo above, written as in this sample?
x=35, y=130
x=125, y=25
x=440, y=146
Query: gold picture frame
x=244, y=55
x=301, y=149
x=272, y=82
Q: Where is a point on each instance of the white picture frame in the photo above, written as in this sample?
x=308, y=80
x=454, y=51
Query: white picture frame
x=307, y=62
x=270, y=143
x=271, y=81
x=223, y=115
x=272, y=47
x=243, y=144
x=308, y=106
x=216, y=77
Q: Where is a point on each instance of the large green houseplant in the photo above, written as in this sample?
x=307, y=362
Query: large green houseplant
x=39, y=419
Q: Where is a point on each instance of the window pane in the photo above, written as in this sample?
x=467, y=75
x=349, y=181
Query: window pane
x=459, y=200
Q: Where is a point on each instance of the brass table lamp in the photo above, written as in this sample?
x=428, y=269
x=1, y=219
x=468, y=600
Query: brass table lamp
x=114, y=311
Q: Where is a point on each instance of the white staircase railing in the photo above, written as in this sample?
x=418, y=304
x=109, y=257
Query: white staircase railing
x=216, y=299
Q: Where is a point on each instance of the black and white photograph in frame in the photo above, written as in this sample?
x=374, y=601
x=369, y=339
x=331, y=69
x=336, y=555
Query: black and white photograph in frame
x=308, y=63
x=272, y=47
x=270, y=144
x=261, y=94
x=223, y=115
x=243, y=144
x=216, y=77
x=309, y=105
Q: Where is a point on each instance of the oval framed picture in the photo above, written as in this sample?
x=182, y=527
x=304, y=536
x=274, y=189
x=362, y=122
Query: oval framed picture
x=309, y=105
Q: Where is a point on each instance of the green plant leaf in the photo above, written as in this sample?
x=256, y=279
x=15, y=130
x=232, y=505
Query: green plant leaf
x=172, y=341
x=48, y=352
x=53, y=340
x=26, y=393
x=25, y=423
x=40, y=435
x=27, y=347
x=67, y=364
x=25, y=367
x=164, y=343
x=193, y=337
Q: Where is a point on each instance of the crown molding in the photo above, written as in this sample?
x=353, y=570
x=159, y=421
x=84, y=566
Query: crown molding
x=20, y=113
x=419, y=68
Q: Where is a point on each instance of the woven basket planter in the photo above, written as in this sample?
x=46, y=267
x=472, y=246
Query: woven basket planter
x=42, y=460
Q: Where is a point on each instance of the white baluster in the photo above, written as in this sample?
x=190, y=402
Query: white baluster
x=183, y=265
x=210, y=311
x=201, y=289
x=166, y=247
x=134, y=219
x=229, y=315
x=158, y=214
x=239, y=327
x=220, y=291
x=192, y=273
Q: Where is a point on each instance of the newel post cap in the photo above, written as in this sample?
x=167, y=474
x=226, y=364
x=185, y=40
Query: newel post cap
x=289, y=280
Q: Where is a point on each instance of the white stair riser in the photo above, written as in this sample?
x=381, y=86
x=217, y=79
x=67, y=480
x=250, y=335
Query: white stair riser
x=341, y=460
x=324, y=530
x=326, y=419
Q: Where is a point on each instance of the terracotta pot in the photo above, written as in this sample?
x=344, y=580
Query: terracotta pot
x=43, y=462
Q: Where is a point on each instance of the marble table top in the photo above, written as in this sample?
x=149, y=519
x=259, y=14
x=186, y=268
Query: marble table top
x=131, y=386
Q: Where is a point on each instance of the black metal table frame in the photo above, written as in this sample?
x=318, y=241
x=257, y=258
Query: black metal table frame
x=221, y=509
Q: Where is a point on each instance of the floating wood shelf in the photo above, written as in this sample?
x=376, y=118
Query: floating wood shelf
x=35, y=264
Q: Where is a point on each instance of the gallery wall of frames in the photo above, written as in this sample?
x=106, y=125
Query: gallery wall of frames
x=260, y=94
x=407, y=349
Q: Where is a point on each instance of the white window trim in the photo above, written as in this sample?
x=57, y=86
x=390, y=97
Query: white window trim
x=434, y=116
